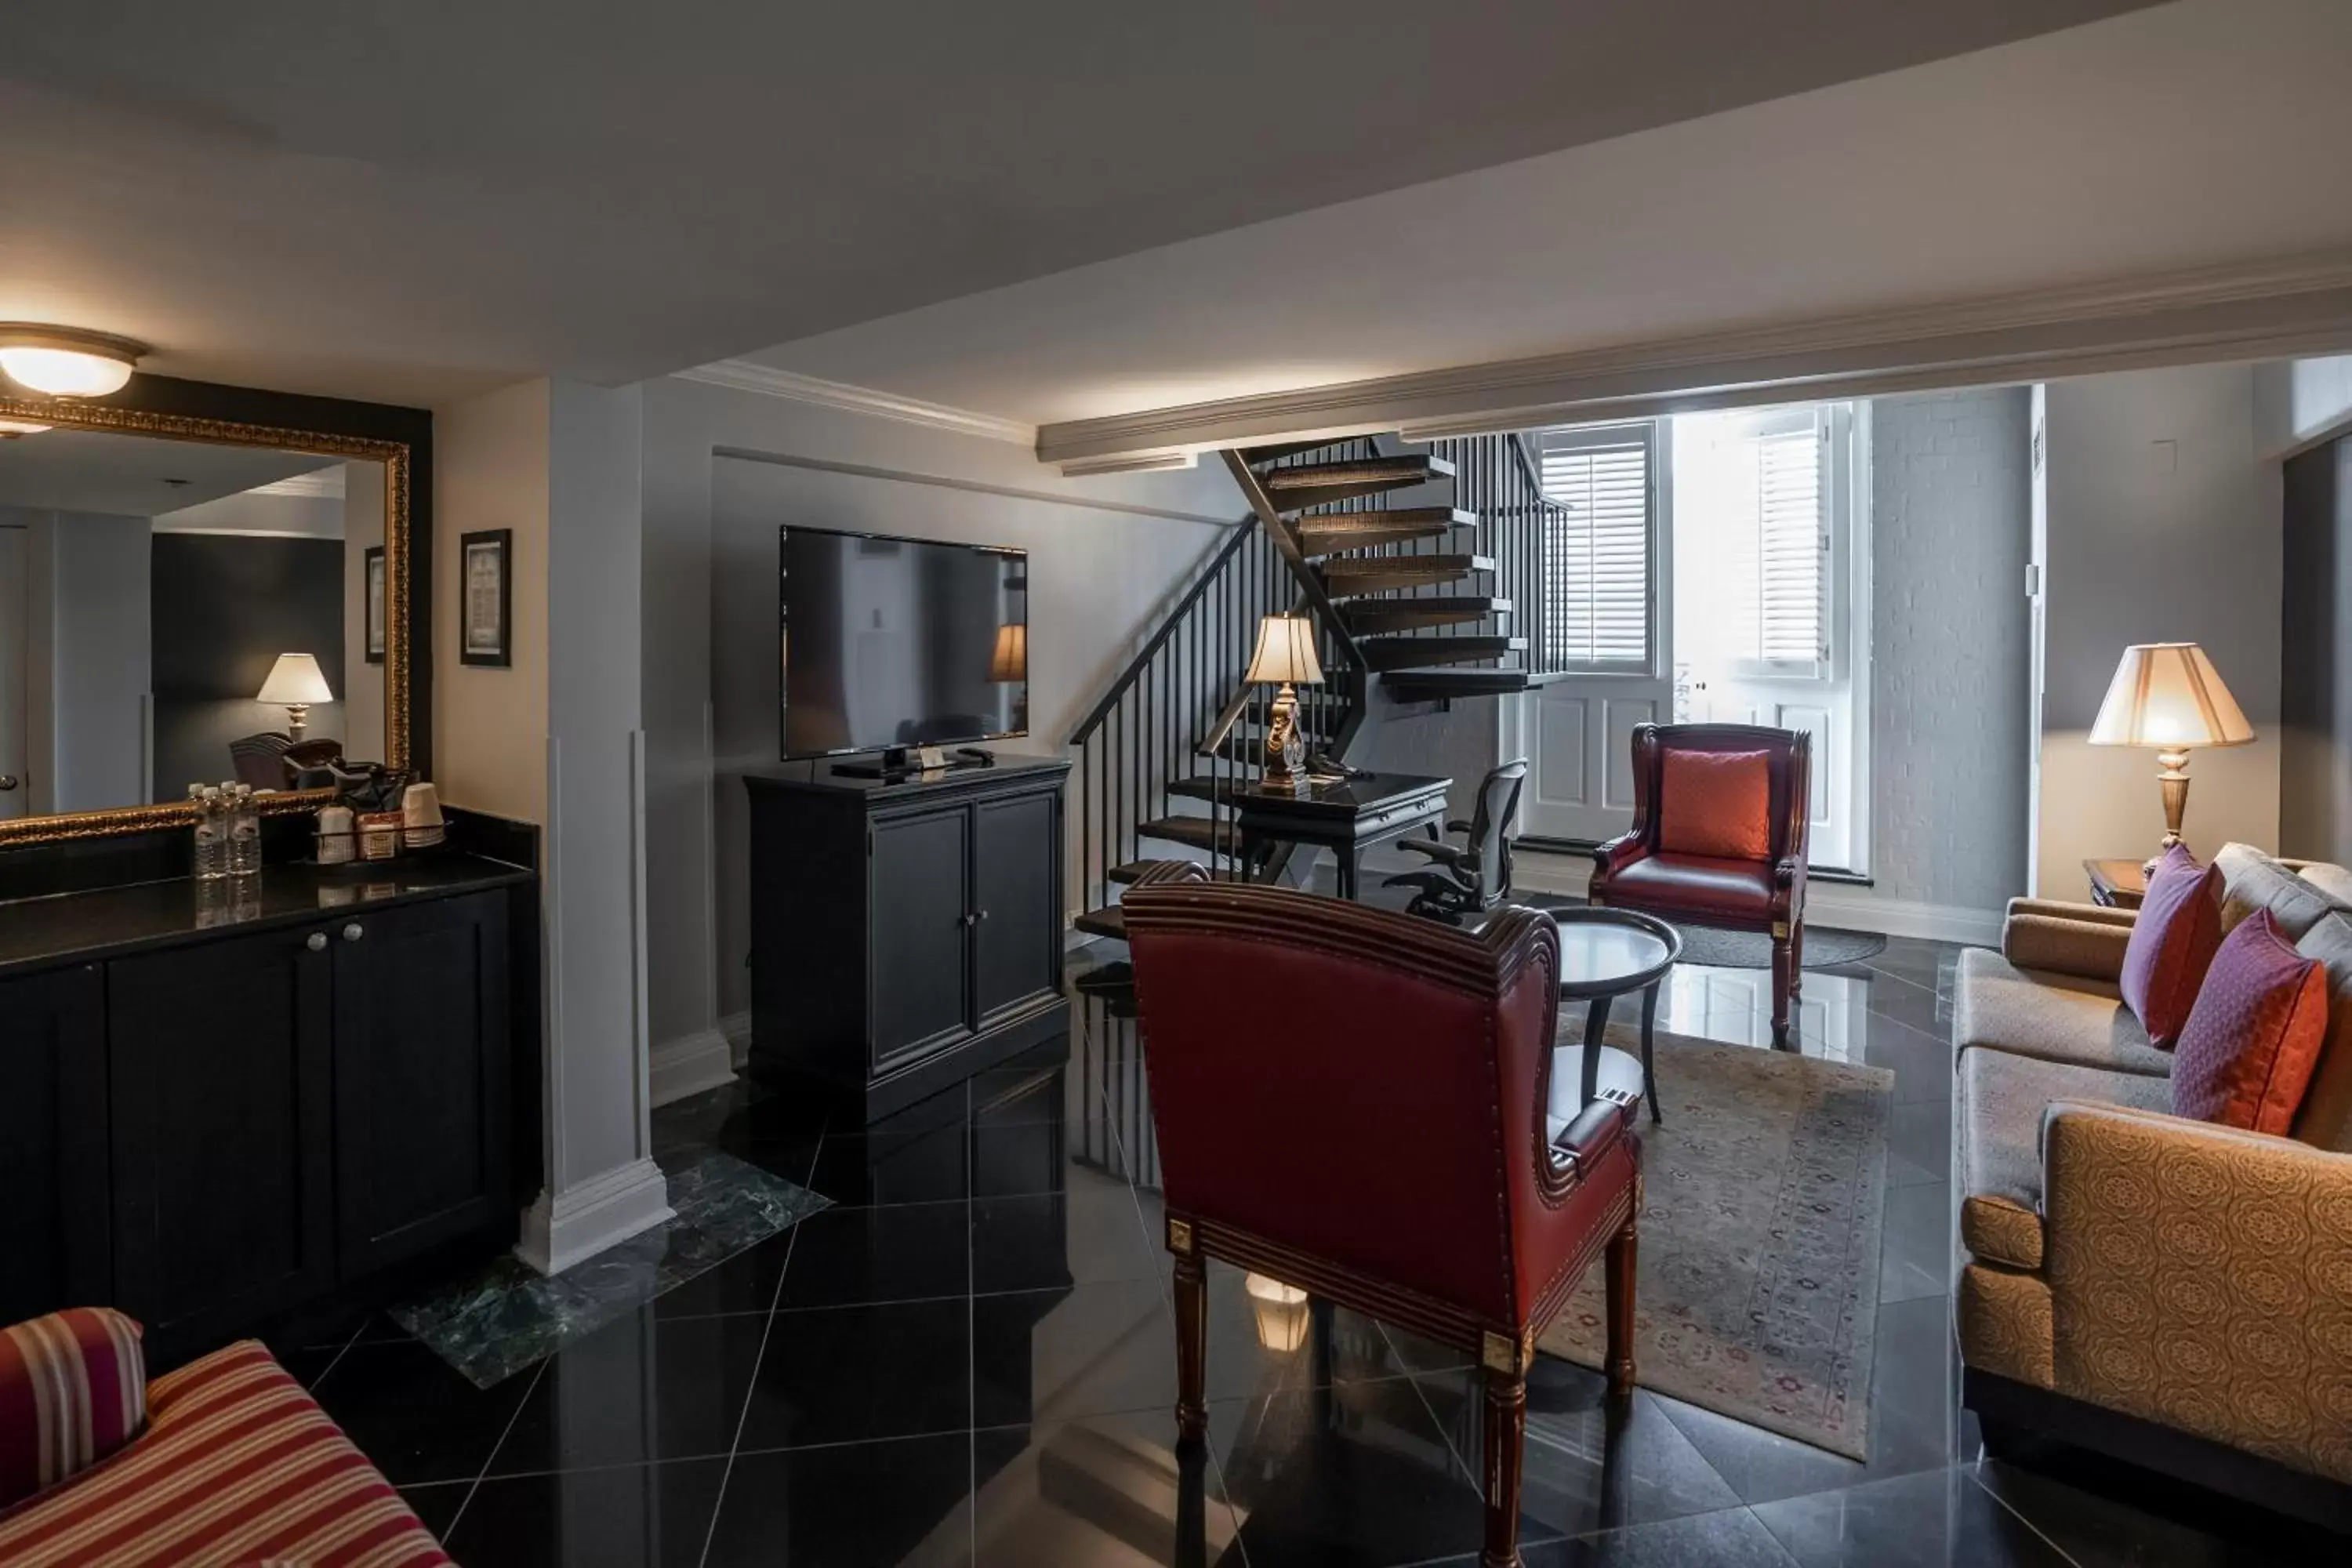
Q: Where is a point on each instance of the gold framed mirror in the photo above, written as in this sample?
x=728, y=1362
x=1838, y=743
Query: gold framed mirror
x=177, y=472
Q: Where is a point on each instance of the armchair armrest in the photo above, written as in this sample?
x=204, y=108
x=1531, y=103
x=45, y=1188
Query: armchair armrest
x=1616, y=854
x=1451, y=853
x=2090, y=949
x=1598, y=1128
x=2199, y=1277
x=2067, y=909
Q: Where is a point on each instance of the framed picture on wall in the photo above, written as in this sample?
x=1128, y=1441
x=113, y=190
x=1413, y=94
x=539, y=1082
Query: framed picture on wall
x=486, y=609
x=375, y=574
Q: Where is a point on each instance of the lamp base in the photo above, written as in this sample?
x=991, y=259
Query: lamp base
x=2172, y=777
x=298, y=718
x=1285, y=751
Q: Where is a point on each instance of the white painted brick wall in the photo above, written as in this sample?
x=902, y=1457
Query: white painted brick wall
x=1951, y=496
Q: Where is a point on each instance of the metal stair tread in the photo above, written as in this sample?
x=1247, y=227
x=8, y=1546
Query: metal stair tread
x=1388, y=654
x=1441, y=685
x=1371, y=617
x=1415, y=468
x=1109, y=920
x=1199, y=832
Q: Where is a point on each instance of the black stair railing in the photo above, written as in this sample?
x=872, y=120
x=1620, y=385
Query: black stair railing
x=1520, y=527
x=1172, y=736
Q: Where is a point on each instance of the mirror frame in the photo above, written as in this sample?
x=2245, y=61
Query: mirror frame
x=211, y=414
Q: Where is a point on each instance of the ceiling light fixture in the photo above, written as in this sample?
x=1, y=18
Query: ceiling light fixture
x=67, y=361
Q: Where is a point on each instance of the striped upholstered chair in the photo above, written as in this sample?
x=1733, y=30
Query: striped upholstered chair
x=225, y=1461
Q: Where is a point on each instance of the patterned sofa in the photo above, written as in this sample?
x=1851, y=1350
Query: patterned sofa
x=2173, y=1292
x=236, y=1464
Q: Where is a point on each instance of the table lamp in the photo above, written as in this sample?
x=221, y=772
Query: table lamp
x=1285, y=654
x=296, y=681
x=2169, y=697
x=1008, y=665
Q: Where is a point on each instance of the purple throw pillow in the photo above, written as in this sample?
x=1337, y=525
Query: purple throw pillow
x=2175, y=937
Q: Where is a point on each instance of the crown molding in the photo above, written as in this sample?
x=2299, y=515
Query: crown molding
x=2251, y=310
x=742, y=375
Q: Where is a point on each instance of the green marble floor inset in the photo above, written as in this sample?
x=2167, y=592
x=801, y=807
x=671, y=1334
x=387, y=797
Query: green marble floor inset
x=508, y=1316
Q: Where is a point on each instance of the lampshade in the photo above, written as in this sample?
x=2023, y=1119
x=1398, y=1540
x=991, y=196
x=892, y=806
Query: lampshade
x=1010, y=659
x=2169, y=695
x=67, y=361
x=296, y=678
x=1281, y=1310
x=1286, y=652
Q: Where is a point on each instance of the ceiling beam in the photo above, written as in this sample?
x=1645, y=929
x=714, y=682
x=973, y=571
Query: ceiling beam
x=2251, y=311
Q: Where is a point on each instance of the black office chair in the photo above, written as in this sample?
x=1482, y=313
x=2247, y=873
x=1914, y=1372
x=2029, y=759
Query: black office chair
x=1472, y=877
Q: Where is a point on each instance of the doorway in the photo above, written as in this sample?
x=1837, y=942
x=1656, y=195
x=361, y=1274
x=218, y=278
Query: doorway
x=1729, y=554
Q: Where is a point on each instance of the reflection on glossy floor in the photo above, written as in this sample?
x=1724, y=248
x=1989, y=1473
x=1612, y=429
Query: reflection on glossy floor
x=971, y=1358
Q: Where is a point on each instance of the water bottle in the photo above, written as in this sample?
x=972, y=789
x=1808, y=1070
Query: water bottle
x=244, y=834
x=212, y=834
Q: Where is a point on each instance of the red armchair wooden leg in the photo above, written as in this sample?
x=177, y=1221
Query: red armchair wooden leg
x=1192, y=1344
x=1505, y=1440
x=1617, y=1287
x=1784, y=970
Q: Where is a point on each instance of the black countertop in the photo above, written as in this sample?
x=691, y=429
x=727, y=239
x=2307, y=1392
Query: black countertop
x=82, y=928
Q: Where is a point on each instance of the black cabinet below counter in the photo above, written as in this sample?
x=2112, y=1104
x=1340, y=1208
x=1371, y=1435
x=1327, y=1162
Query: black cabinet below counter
x=222, y=1119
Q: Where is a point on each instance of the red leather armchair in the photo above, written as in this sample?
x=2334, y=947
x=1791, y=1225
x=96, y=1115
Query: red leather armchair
x=1764, y=893
x=1355, y=1102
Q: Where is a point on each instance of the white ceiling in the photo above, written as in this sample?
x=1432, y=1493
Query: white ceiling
x=2192, y=135
x=413, y=202
x=128, y=476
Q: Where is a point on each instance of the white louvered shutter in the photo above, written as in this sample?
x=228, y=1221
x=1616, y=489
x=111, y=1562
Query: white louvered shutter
x=1757, y=512
x=1596, y=546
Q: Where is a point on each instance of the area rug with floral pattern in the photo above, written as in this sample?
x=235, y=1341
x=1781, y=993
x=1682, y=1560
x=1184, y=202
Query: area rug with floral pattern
x=1757, y=1287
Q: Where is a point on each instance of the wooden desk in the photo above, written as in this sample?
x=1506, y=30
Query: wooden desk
x=1346, y=816
x=2116, y=884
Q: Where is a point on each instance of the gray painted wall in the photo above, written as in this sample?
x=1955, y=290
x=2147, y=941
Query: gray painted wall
x=87, y=660
x=2315, y=679
x=722, y=470
x=2164, y=527
x=1949, y=502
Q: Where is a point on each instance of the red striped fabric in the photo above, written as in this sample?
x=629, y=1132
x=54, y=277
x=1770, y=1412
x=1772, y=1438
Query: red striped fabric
x=72, y=1391
x=238, y=1466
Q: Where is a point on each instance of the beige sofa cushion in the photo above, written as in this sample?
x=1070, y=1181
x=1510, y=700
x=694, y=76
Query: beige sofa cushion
x=2061, y=1018
x=1998, y=1116
x=2331, y=880
x=2326, y=1119
x=2252, y=880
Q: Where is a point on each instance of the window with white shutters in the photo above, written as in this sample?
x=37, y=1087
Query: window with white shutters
x=1598, y=545
x=1753, y=507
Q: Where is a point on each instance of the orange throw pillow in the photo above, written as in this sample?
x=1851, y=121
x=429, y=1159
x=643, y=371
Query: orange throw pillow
x=2252, y=1039
x=1716, y=804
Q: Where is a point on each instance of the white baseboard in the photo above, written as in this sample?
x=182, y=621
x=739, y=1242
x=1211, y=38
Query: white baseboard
x=1838, y=904
x=689, y=1065
x=1545, y=871
x=737, y=1027
x=561, y=1229
x=1829, y=904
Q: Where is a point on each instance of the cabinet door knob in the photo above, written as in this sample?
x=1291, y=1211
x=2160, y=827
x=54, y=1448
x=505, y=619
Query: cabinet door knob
x=316, y=941
x=982, y=916
x=353, y=932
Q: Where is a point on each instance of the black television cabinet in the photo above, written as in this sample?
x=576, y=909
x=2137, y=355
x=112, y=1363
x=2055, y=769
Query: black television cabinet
x=904, y=934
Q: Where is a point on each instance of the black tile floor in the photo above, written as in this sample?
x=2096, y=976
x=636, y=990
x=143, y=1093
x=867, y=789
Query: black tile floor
x=969, y=1359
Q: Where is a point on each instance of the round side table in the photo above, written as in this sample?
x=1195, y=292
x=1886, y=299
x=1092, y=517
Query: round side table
x=1604, y=954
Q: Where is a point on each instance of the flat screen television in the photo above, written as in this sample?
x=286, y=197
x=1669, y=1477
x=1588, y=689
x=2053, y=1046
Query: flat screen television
x=889, y=643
